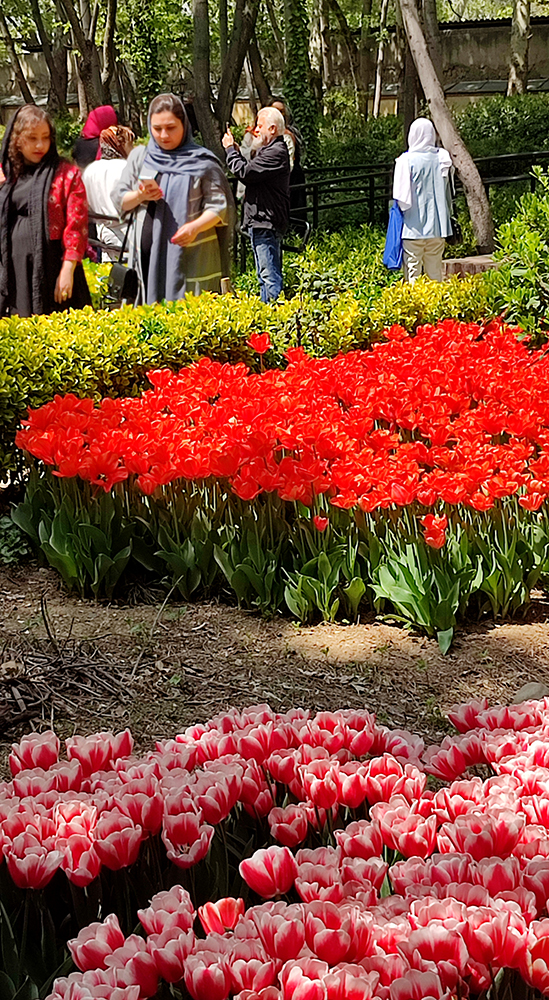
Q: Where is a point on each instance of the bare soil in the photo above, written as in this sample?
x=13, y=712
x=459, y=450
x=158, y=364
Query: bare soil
x=157, y=668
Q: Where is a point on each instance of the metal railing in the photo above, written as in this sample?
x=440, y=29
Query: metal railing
x=371, y=184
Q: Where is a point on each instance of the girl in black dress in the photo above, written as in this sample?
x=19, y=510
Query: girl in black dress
x=43, y=221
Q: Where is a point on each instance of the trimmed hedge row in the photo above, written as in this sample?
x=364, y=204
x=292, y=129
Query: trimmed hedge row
x=109, y=353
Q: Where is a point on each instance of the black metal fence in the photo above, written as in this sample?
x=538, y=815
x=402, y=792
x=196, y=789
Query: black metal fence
x=334, y=188
x=330, y=189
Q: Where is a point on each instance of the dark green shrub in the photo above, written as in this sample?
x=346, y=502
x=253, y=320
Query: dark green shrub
x=497, y=125
x=346, y=139
x=519, y=288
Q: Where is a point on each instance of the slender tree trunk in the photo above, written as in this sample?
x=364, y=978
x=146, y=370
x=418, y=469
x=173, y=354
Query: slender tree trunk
x=250, y=86
x=350, y=45
x=132, y=109
x=109, y=53
x=520, y=38
x=380, y=57
x=15, y=61
x=407, y=101
x=88, y=23
x=275, y=27
x=90, y=96
x=327, y=56
x=364, y=55
x=261, y=83
x=479, y=206
x=207, y=124
x=245, y=16
x=432, y=35
x=223, y=33
x=60, y=94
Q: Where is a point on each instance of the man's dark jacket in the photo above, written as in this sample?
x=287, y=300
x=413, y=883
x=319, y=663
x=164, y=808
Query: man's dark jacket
x=267, y=182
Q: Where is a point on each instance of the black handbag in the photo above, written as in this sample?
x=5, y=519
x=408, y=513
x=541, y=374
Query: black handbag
x=456, y=236
x=123, y=282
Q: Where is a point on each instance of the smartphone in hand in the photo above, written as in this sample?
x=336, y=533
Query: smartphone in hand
x=148, y=174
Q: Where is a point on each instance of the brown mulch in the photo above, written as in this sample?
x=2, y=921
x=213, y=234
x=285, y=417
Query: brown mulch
x=85, y=666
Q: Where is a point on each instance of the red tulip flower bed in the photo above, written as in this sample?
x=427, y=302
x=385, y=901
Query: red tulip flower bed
x=352, y=878
x=397, y=474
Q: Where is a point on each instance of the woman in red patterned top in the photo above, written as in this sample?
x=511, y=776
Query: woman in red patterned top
x=43, y=221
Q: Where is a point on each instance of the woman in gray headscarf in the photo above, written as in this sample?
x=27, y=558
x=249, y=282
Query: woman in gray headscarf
x=421, y=187
x=182, y=205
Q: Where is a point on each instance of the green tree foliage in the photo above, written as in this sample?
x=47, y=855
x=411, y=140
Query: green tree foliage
x=156, y=39
x=297, y=85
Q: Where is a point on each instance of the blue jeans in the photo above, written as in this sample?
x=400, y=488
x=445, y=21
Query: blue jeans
x=267, y=250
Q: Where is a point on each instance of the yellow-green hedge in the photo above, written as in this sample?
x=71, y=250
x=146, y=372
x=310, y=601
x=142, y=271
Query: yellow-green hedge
x=108, y=353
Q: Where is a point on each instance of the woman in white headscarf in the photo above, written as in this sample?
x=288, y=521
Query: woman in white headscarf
x=422, y=188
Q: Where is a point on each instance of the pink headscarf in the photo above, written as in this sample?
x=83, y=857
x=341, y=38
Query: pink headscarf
x=99, y=119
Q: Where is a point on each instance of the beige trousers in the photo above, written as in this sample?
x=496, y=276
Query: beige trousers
x=423, y=256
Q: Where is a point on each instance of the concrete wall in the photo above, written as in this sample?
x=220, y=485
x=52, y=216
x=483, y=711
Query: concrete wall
x=481, y=52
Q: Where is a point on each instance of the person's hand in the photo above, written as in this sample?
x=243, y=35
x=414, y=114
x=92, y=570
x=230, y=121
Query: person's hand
x=149, y=190
x=228, y=139
x=185, y=234
x=64, y=283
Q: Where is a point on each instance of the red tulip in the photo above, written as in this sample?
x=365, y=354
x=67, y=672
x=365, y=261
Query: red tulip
x=418, y=986
x=289, y=826
x=249, y=967
x=221, y=916
x=259, y=342
x=94, y=942
x=282, y=933
x=349, y=982
x=304, y=980
x=169, y=951
x=134, y=966
x=117, y=840
x=269, y=872
x=327, y=932
x=360, y=840
x=321, y=523
x=81, y=862
x=30, y=864
x=206, y=980
x=172, y=908
x=35, y=750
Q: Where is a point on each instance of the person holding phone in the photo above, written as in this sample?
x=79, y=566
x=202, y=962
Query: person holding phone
x=182, y=205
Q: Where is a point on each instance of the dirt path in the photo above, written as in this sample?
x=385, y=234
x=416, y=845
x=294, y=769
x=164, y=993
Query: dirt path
x=158, y=669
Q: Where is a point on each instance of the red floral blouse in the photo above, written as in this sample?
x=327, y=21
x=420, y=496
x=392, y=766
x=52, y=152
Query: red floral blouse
x=68, y=211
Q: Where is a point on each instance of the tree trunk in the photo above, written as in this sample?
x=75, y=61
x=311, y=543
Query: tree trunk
x=245, y=16
x=89, y=94
x=128, y=99
x=327, y=55
x=350, y=45
x=432, y=35
x=520, y=37
x=278, y=36
x=250, y=86
x=223, y=33
x=261, y=83
x=477, y=200
x=364, y=56
x=14, y=59
x=407, y=101
x=88, y=23
x=58, y=91
x=380, y=57
x=109, y=53
x=207, y=124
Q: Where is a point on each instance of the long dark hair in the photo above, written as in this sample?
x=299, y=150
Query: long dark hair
x=24, y=119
